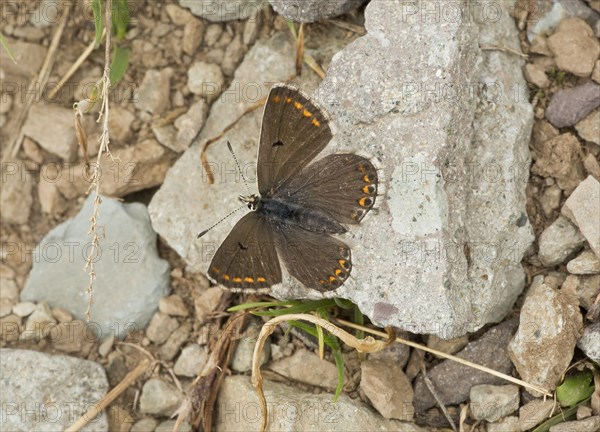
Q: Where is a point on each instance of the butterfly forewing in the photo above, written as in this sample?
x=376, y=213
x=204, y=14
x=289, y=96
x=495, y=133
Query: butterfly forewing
x=344, y=186
x=247, y=258
x=317, y=260
x=294, y=130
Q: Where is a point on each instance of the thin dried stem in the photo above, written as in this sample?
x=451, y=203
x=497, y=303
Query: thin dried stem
x=104, y=140
x=513, y=380
x=74, y=67
x=503, y=49
x=98, y=407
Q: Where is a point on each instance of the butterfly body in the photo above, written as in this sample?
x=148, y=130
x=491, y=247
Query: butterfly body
x=280, y=212
x=301, y=203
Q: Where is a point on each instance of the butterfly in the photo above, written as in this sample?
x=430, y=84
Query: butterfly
x=300, y=207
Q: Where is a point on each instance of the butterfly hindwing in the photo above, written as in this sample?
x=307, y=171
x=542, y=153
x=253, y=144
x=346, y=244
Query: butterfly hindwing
x=317, y=260
x=294, y=130
x=344, y=186
x=247, y=258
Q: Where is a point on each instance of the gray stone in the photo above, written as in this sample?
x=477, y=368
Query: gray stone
x=535, y=74
x=507, y=424
x=242, y=358
x=491, y=403
x=558, y=242
x=589, y=342
x=233, y=55
x=28, y=60
x=550, y=201
x=178, y=15
x=206, y=303
x=585, y=263
x=153, y=93
x=137, y=167
x=120, y=122
x=166, y=134
x=192, y=36
x=16, y=198
x=535, y=412
x=160, y=328
x=569, y=106
x=55, y=389
x=159, y=398
x=398, y=353
x=590, y=424
x=251, y=29
x=171, y=347
x=206, y=80
x=223, y=10
x=453, y=381
x=53, y=128
x=550, y=324
x=147, y=424
x=589, y=127
x=23, y=309
x=290, y=408
x=51, y=201
x=583, y=412
x=128, y=253
x=583, y=209
x=39, y=324
x=473, y=288
x=449, y=346
x=189, y=124
x=9, y=289
x=313, y=10
x=173, y=305
x=190, y=361
x=387, y=388
x=213, y=33
x=308, y=368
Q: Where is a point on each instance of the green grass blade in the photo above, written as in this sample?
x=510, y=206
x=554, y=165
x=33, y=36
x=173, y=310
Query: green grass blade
x=575, y=388
x=339, y=364
x=119, y=64
x=7, y=48
x=120, y=18
x=567, y=414
x=98, y=23
x=302, y=307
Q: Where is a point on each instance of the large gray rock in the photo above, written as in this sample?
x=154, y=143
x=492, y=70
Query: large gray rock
x=291, y=409
x=42, y=392
x=130, y=276
x=451, y=225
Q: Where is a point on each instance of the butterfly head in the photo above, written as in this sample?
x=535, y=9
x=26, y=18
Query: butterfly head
x=251, y=201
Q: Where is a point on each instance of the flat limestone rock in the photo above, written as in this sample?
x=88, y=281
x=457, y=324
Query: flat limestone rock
x=442, y=254
x=47, y=393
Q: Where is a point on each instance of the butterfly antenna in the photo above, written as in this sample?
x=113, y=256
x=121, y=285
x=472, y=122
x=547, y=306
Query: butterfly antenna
x=222, y=219
x=238, y=166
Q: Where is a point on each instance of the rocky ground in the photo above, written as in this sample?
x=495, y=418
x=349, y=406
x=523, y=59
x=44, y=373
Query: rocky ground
x=55, y=364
